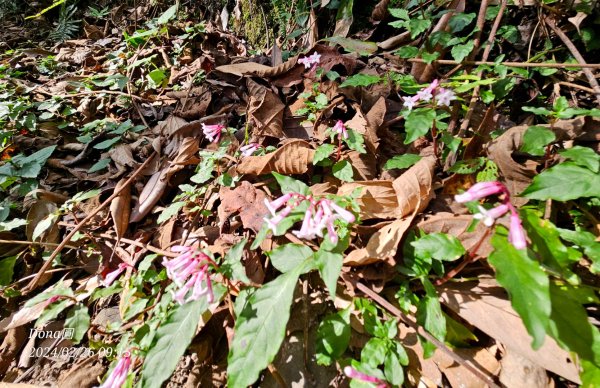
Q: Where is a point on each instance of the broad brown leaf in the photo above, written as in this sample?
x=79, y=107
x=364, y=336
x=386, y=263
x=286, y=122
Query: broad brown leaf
x=120, y=208
x=265, y=109
x=245, y=200
x=293, y=157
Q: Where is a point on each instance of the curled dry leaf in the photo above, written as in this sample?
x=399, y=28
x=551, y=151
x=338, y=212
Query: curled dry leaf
x=14, y=340
x=245, y=200
x=380, y=11
x=120, y=207
x=41, y=222
x=294, y=157
x=364, y=165
x=265, y=109
x=485, y=305
x=410, y=192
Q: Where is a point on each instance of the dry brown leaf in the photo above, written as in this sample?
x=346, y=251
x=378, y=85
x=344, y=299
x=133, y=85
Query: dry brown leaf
x=245, y=200
x=359, y=124
x=40, y=210
x=82, y=374
x=120, y=208
x=517, y=371
x=265, y=110
x=244, y=68
x=152, y=192
x=414, y=187
x=293, y=157
x=383, y=244
x=377, y=199
x=14, y=340
x=380, y=11
x=577, y=19
x=364, y=165
x=485, y=305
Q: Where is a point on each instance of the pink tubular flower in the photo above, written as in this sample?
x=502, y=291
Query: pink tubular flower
x=112, y=276
x=480, y=190
x=249, y=149
x=310, y=60
x=354, y=374
x=52, y=299
x=410, y=102
x=490, y=216
x=445, y=96
x=516, y=233
x=190, y=271
x=320, y=214
x=439, y=95
x=212, y=132
x=119, y=373
x=340, y=129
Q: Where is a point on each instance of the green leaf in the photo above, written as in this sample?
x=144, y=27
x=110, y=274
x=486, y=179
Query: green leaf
x=361, y=80
x=418, y=122
x=329, y=265
x=459, y=21
x=290, y=185
x=564, y=182
x=457, y=334
x=322, y=152
x=99, y=165
x=590, y=374
x=536, y=139
x=232, y=267
x=7, y=267
x=417, y=26
x=569, y=324
x=172, y=339
x=52, y=311
x=392, y=368
x=167, y=15
x=333, y=337
x=468, y=166
x=489, y=172
x=289, y=256
x=431, y=317
x=260, y=329
x=373, y=353
x=353, y=45
x=321, y=99
x=107, y=143
x=343, y=171
x=587, y=242
x=537, y=111
x=78, y=319
x=12, y=224
x=461, y=51
x=27, y=166
x=355, y=141
x=439, y=246
x=526, y=282
x=44, y=225
x=402, y=161
x=399, y=13
x=170, y=211
x=583, y=156
x=407, y=52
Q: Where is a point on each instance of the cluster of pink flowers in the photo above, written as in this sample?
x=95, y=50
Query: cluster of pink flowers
x=212, y=132
x=516, y=234
x=321, y=214
x=249, y=149
x=441, y=96
x=119, y=373
x=340, y=129
x=354, y=374
x=190, y=271
x=311, y=60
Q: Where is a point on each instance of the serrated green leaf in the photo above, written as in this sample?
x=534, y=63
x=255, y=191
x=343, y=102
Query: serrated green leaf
x=569, y=324
x=535, y=140
x=526, y=282
x=407, y=52
x=399, y=13
x=418, y=26
x=289, y=256
x=232, y=267
x=439, y=246
x=172, y=339
x=342, y=170
x=322, y=152
x=587, y=242
x=361, y=80
x=170, y=211
x=459, y=21
x=329, y=265
x=489, y=172
x=468, y=166
x=583, y=156
x=418, y=123
x=7, y=267
x=290, y=185
x=537, y=110
x=78, y=319
x=431, y=317
x=260, y=329
x=333, y=337
x=402, y=161
x=461, y=51
x=99, y=165
x=564, y=182
x=355, y=141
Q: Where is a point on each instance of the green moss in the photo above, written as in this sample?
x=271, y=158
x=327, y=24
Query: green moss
x=252, y=24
